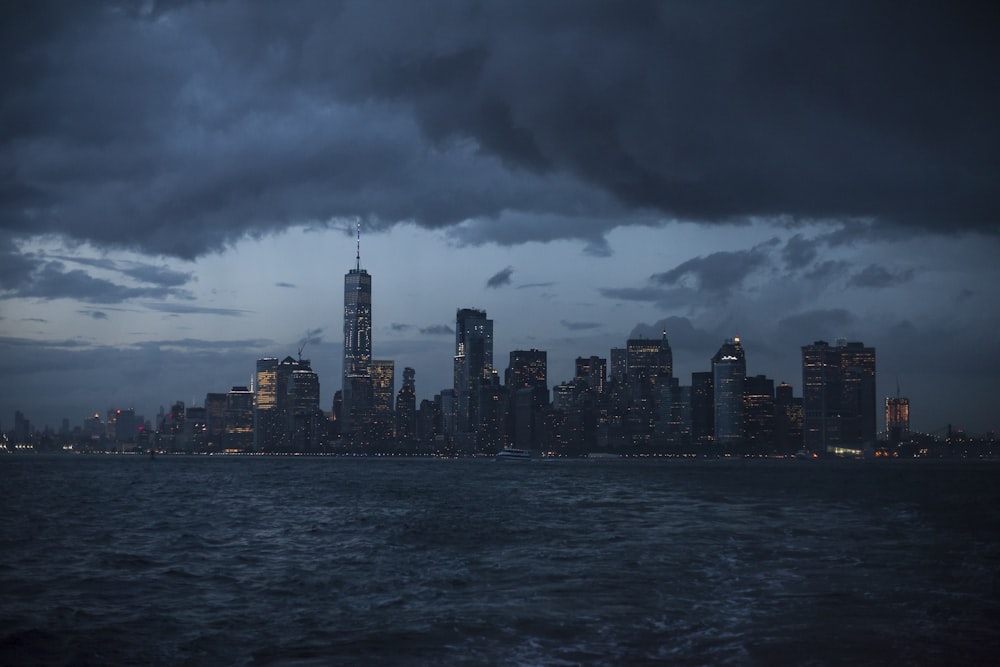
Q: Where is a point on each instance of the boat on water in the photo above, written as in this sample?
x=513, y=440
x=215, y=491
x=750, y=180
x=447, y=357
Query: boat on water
x=513, y=454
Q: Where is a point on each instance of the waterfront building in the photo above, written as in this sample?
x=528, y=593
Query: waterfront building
x=897, y=419
x=238, y=435
x=838, y=396
x=702, y=409
x=758, y=414
x=593, y=370
x=356, y=382
x=473, y=361
x=728, y=373
x=383, y=374
x=787, y=420
x=406, y=406
x=528, y=396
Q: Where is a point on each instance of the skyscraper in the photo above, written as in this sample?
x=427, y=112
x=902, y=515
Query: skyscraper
x=473, y=361
x=592, y=370
x=356, y=371
x=729, y=369
x=897, y=418
x=383, y=377
x=406, y=406
x=838, y=395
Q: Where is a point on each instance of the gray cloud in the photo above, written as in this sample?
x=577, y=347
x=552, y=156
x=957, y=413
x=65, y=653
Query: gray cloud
x=718, y=272
x=284, y=284
x=186, y=138
x=185, y=309
x=534, y=285
x=876, y=276
x=501, y=278
x=51, y=280
x=398, y=326
x=437, y=330
x=581, y=326
x=95, y=314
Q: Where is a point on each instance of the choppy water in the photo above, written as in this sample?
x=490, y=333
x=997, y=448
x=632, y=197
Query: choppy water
x=302, y=561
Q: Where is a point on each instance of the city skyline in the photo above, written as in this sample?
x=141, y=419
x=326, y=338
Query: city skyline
x=180, y=202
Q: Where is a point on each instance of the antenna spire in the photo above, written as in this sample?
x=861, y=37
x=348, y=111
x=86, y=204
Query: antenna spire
x=358, y=258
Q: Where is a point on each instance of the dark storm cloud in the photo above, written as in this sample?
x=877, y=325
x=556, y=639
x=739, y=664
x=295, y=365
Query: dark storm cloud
x=182, y=129
x=799, y=251
x=581, y=326
x=501, y=278
x=147, y=273
x=876, y=276
x=437, y=330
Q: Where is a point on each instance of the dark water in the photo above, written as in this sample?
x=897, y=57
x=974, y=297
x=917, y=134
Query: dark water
x=299, y=561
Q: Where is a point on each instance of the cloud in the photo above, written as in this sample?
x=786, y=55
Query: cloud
x=799, y=251
x=718, y=272
x=397, y=326
x=284, y=284
x=875, y=276
x=437, y=330
x=189, y=136
x=312, y=337
x=95, y=314
x=534, y=285
x=185, y=309
x=816, y=324
x=51, y=280
x=501, y=278
x=581, y=326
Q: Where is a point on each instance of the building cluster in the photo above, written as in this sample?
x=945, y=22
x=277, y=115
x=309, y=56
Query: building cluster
x=628, y=402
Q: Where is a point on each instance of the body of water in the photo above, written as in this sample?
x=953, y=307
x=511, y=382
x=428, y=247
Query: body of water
x=302, y=561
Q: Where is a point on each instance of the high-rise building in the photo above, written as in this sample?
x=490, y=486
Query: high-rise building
x=406, y=406
x=383, y=373
x=304, y=419
x=619, y=364
x=473, y=362
x=897, y=419
x=528, y=395
x=646, y=359
x=787, y=420
x=838, y=396
x=702, y=408
x=592, y=370
x=729, y=369
x=758, y=414
x=356, y=370
x=267, y=423
x=239, y=420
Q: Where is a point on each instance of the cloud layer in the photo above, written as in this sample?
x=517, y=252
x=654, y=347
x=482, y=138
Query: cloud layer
x=180, y=127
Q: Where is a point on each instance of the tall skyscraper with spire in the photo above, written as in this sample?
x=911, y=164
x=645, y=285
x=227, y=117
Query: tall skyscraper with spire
x=729, y=370
x=357, y=378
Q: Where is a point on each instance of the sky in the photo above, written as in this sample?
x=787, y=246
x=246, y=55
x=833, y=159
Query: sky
x=180, y=185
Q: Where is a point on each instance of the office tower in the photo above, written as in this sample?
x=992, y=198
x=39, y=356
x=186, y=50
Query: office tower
x=897, y=419
x=215, y=417
x=383, y=374
x=728, y=372
x=304, y=420
x=238, y=436
x=645, y=359
x=838, y=396
x=473, y=360
x=491, y=411
x=356, y=370
x=528, y=393
x=406, y=406
x=619, y=364
x=787, y=420
x=702, y=408
x=267, y=423
x=592, y=370
x=758, y=414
